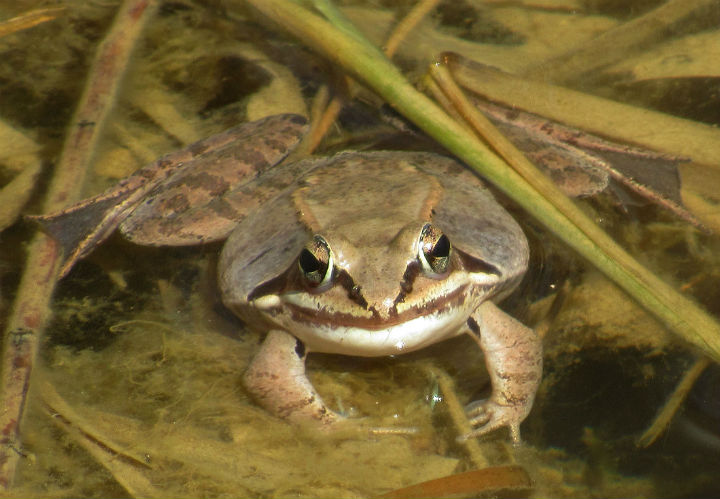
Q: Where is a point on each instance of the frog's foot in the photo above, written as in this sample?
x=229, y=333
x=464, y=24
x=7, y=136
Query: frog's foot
x=513, y=357
x=488, y=415
x=276, y=379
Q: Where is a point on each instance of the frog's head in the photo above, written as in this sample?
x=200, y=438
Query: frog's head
x=368, y=293
x=375, y=277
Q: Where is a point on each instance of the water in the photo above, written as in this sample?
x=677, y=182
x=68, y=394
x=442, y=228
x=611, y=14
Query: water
x=144, y=366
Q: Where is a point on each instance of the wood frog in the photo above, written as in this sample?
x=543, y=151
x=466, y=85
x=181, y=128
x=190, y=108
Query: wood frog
x=362, y=253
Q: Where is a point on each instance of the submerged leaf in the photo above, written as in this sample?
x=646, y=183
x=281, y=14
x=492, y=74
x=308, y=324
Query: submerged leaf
x=486, y=481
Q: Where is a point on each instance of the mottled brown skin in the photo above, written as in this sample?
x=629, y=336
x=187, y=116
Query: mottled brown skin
x=582, y=164
x=277, y=380
x=186, y=197
x=513, y=357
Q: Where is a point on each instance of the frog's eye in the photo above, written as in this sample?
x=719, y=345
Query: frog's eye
x=433, y=251
x=316, y=263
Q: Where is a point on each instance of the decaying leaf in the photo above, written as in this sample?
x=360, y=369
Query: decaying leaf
x=29, y=19
x=487, y=481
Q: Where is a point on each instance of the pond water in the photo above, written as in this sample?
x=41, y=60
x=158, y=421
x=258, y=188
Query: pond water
x=137, y=388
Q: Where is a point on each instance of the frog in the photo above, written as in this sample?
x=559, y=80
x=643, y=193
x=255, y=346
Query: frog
x=362, y=253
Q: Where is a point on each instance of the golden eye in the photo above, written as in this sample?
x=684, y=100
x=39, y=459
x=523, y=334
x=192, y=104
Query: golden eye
x=316, y=263
x=433, y=251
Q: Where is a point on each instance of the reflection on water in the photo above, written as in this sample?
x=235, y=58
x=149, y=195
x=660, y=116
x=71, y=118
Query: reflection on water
x=142, y=366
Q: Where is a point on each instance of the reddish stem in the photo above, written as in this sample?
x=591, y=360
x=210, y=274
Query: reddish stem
x=31, y=308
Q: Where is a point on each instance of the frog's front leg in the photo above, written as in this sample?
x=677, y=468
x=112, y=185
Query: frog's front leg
x=276, y=379
x=513, y=356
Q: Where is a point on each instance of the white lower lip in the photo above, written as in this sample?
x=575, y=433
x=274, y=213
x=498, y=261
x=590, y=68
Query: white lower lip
x=399, y=338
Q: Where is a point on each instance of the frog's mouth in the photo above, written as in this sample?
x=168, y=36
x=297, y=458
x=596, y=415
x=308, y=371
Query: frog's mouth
x=410, y=330
x=369, y=318
x=405, y=326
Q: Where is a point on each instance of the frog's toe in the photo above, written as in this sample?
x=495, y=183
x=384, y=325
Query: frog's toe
x=487, y=416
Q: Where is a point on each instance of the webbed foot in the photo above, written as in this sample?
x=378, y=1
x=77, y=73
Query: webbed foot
x=486, y=416
x=513, y=356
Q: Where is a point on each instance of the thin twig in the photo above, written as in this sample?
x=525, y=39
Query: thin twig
x=29, y=19
x=57, y=405
x=321, y=125
x=126, y=465
x=662, y=420
x=458, y=416
x=31, y=309
x=323, y=114
x=408, y=23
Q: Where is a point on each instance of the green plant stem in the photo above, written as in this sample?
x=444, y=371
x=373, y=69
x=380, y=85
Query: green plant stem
x=557, y=212
x=336, y=18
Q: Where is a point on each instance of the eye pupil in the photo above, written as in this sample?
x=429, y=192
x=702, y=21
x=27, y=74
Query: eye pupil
x=434, y=251
x=315, y=262
x=308, y=262
x=442, y=247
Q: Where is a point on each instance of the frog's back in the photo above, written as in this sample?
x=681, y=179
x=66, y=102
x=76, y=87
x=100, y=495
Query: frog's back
x=395, y=188
x=369, y=196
